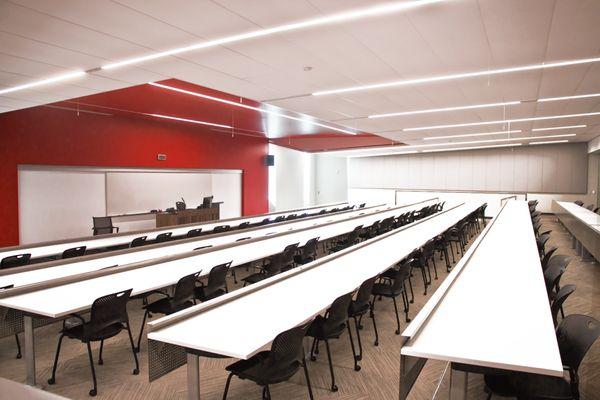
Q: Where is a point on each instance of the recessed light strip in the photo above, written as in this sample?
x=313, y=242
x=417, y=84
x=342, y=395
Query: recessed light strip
x=233, y=103
x=190, y=120
x=423, y=128
x=473, y=134
x=47, y=81
x=550, y=142
x=580, y=96
x=555, y=128
x=474, y=147
x=439, y=78
x=327, y=20
x=435, y=110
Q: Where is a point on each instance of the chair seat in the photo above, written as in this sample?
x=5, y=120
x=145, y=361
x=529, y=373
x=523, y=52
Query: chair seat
x=355, y=310
x=255, y=370
x=166, y=306
x=79, y=332
x=318, y=329
x=533, y=386
x=385, y=289
x=205, y=293
x=303, y=260
x=257, y=277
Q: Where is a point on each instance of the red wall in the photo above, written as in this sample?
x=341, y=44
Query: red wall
x=49, y=136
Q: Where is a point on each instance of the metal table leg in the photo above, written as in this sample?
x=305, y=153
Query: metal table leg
x=193, y=376
x=458, y=384
x=29, y=349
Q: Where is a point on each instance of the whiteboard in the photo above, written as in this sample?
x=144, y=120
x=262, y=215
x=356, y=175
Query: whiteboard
x=135, y=192
x=58, y=204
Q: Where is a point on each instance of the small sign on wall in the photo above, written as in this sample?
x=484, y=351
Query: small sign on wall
x=161, y=157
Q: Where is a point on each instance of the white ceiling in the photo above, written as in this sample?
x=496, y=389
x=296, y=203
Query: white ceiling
x=41, y=38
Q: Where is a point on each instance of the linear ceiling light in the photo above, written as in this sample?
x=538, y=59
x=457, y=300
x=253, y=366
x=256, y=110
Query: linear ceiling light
x=435, y=110
x=381, y=9
x=550, y=142
x=423, y=128
x=580, y=96
x=190, y=120
x=554, y=128
x=490, y=140
x=42, y=82
x=473, y=134
x=474, y=147
x=383, y=154
x=439, y=78
x=233, y=103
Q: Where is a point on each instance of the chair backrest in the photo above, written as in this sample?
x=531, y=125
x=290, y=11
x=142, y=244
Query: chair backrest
x=353, y=236
x=287, y=255
x=265, y=221
x=310, y=248
x=547, y=257
x=74, y=252
x=274, y=265
x=138, y=241
x=217, y=275
x=337, y=314
x=291, y=216
x=194, y=232
x=541, y=242
x=207, y=202
x=163, y=237
x=597, y=210
x=286, y=352
x=279, y=219
x=364, y=293
x=576, y=334
x=108, y=310
x=323, y=211
x=556, y=267
x=561, y=296
x=184, y=290
x=18, y=260
x=221, y=228
x=244, y=225
x=428, y=248
x=578, y=202
x=102, y=225
x=180, y=205
x=362, y=205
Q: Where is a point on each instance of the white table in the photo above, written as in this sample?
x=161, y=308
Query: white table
x=242, y=326
x=65, y=299
x=63, y=268
x=584, y=226
x=54, y=248
x=491, y=311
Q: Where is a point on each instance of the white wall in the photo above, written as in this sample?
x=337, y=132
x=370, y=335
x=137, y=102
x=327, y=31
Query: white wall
x=331, y=179
x=291, y=179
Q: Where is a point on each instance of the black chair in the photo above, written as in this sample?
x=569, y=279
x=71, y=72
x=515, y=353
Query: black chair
x=291, y=217
x=138, y=241
x=308, y=253
x=216, y=285
x=392, y=285
x=273, y=366
x=17, y=260
x=576, y=334
x=579, y=203
x=561, y=297
x=18, y=342
x=440, y=244
x=428, y=253
x=417, y=261
x=590, y=207
x=597, y=210
x=349, y=240
x=207, y=202
x=194, y=233
x=385, y=226
x=362, y=205
x=163, y=237
x=247, y=265
x=221, y=228
x=541, y=243
x=103, y=225
x=370, y=231
x=331, y=326
x=183, y=297
x=73, y=252
x=357, y=309
x=271, y=268
x=287, y=260
x=280, y=218
x=458, y=235
x=108, y=317
x=244, y=225
x=547, y=256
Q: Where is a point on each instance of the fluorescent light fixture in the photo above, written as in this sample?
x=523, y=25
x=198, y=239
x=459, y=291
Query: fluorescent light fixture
x=554, y=128
x=193, y=121
x=550, y=142
x=381, y=9
x=580, y=96
x=474, y=147
x=473, y=134
x=492, y=140
x=383, y=154
x=42, y=82
x=265, y=111
x=435, y=110
x=424, y=128
x=439, y=78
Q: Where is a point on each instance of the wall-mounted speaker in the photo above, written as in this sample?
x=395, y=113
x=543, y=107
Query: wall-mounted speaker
x=269, y=160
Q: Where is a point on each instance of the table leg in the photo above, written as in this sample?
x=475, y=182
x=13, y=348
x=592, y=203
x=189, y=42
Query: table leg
x=458, y=384
x=193, y=376
x=573, y=242
x=585, y=255
x=29, y=349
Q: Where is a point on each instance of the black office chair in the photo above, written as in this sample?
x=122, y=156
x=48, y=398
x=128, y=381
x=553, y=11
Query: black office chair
x=273, y=366
x=331, y=327
x=216, y=285
x=357, y=309
x=417, y=261
x=370, y=231
x=552, y=275
x=547, y=256
x=291, y=217
x=73, y=252
x=206, y=202
x=392, y=285
x=308, y=253
x=576, y=334
x=428, y=253
x=441, y=245
x=108, y=317
x=597, y=210
x=17, y=260
x=221, y=228
x=579, y=203
x=138, y=241
x=244, y=225
x=271, y=268
x=103, y=226
x=348, y=240
x=458, y=235
x=183, y=297
x=163, y=237
x=559, y=300
x=541, y=243
x=194, y=233
x=385, y=226
x=18, y=342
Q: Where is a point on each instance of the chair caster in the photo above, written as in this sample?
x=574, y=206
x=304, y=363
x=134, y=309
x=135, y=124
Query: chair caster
x=100, y=362
x=397, y=331
x=51, y=381
x=334, y=388
x=358, y=358
x=93, y=392
x=136, y=371
x=357, y=368
x=412, y=301
x=136, y=349
x=361, y=327
x=376, y=343
x=407, y=319
x=313, y=358
x=19, y=356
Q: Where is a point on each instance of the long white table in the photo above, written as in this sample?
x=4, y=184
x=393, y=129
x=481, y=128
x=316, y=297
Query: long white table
x=63, y=299
x=243, y=322
x=584, y=226
x=54, y=248
x=62, y=268
x=491, y=311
